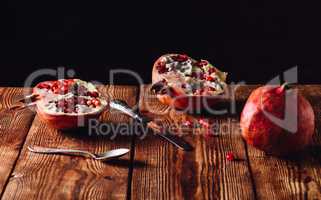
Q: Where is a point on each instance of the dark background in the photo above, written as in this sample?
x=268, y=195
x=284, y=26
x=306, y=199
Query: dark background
x=253, y=40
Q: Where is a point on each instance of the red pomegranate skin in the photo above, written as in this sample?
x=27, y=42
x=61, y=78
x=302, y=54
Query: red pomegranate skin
x=259, y=131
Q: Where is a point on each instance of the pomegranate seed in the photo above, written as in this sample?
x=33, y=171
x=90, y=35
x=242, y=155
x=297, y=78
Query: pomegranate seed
x=82, y=90
x=89, y=102
x=202, y=63
x=44, y=86
x=230, y=156
x=209, y=133
x=61, y=104
x=81, y=101
x=68, y=110
x=209, y=78
x=93, y=94
x=204, y=123
x=199, y=91
x=199, y=75
x=211, y=70
x=180, y=58
x=65, y=83
x=95, y=102
x=161, y=67
x=64, y=89
x=56, y=90
x=70, y=100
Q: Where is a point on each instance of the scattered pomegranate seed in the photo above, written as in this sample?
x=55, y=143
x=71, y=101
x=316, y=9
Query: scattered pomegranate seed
x=204, y=123
x=230, y=156
x=206, y=133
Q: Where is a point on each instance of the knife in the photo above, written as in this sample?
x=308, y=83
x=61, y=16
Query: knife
x=123, y=107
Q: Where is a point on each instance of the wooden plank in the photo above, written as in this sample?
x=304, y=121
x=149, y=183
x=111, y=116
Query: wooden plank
x=39, y=176
x=310, y=161
x=14, y=126
x=293, y=178
x=204, y=173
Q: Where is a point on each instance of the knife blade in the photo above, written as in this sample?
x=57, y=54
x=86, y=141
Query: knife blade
x=123, y=107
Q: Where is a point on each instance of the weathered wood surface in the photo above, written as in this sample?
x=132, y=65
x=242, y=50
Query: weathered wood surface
x=297, y=177
x=155, y=169
x=200, y=174
x=172, y=174
x=14, y=126
x=38, y=176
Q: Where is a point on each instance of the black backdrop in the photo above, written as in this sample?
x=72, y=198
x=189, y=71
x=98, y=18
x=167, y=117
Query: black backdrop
x=254, y=40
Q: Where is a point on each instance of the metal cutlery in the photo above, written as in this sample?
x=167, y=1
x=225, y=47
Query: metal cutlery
x=115, y=153
x=123, y=107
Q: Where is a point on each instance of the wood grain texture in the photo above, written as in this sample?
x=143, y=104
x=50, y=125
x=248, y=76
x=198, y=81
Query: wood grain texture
x=310, y=160
x=160, y=171
x=204, y=173
x=39, y=176
x=14, y=126
x=296, y=177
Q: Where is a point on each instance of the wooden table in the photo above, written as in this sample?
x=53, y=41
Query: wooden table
x=155, y=169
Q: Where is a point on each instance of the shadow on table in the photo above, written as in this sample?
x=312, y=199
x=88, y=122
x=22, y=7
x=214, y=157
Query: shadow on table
x=310, y=157
x=125, y=163
x=93, y=135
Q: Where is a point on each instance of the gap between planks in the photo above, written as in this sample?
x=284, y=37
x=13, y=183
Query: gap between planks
x=3, y=91
x=130, y=167
x=132, y=152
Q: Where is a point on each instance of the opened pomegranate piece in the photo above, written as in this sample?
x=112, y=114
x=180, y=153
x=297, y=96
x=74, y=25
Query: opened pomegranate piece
x=189, y=83
x=68, y=103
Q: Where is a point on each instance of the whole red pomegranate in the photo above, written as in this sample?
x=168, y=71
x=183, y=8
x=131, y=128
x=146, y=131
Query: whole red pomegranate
x=277, y=120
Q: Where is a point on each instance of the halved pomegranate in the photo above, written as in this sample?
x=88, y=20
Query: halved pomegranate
x=68, y=103
x=187, y=84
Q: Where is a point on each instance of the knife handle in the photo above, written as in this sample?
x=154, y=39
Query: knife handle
x=123, y=107
x=175, y=140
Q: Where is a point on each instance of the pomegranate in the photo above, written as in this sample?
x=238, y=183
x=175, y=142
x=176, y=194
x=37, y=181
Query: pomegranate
x=230, y=156
x=187, y=84
x=68, y=103
x=277, y=120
